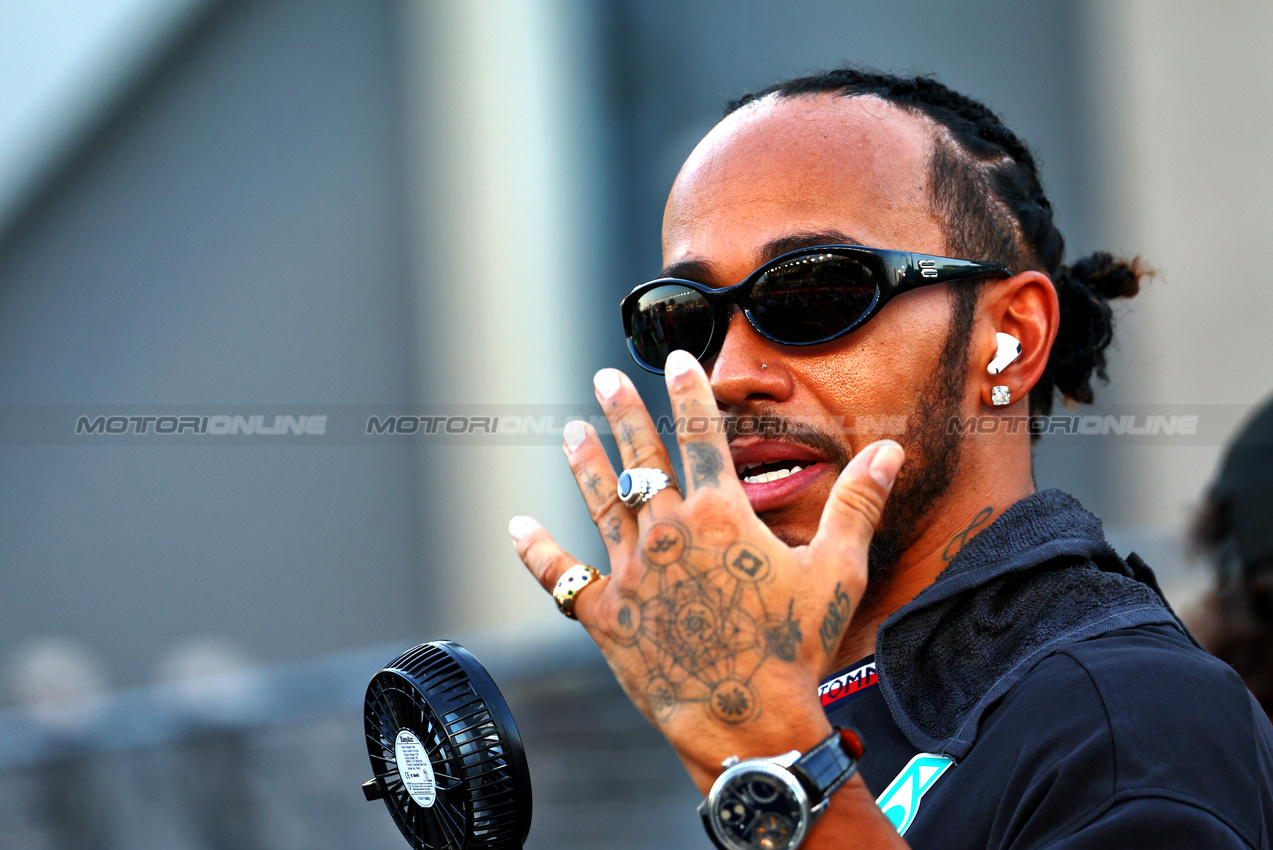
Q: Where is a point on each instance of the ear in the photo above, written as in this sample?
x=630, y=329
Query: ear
x=1025, y=307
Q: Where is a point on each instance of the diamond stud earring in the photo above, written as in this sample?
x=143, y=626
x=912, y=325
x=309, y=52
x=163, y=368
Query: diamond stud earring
x=1000, y=396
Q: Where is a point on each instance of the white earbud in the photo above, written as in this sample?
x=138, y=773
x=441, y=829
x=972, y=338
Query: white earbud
x=1009, y=350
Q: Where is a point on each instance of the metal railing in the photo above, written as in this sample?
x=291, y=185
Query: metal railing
x=274, y=757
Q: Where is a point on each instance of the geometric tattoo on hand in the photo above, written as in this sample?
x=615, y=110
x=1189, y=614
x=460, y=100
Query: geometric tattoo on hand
x=701, y=624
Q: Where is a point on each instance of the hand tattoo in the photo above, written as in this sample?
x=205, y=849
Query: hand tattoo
x=613, y=526
x=701, y=624
x=627, y=437
x=592, y=483
x=837, y=618
x=783, y=636
x=705, y=464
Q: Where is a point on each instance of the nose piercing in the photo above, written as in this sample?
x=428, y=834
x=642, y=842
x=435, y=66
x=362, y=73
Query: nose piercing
x=764, y=366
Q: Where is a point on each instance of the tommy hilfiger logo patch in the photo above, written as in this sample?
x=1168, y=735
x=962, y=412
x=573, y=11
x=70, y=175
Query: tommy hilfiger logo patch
x=847, y=683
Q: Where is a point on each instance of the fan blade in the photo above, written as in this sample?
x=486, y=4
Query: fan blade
x=451, y=821
x=436, y=838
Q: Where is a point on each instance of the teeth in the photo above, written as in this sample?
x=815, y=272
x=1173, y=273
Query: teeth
x=776, y=475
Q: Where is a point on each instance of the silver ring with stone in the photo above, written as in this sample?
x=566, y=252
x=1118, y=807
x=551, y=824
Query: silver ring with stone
x=637, y=486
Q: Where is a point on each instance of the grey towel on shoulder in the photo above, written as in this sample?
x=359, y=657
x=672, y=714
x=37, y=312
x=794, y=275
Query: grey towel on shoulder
x=1041, y=577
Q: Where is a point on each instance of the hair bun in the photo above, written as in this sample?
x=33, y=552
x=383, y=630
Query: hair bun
x=1107, y=276
x=1087, y=323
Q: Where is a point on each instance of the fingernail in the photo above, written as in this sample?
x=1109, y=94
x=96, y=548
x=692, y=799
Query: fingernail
x=607, y=383
x=519, y=527
x=574, y=433
x=678, y=363
x=886, y=462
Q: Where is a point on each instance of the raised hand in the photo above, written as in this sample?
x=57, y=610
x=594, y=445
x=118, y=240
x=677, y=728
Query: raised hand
x=717, y=630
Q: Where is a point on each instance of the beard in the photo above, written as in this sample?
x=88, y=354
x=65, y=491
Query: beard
x=932, y=459
x=932, y=449
x=932, y=452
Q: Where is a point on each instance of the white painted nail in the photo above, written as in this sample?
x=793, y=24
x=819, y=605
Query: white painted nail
x=574, y=433
x=520, y=527
x=607, y=382
x=678, y=363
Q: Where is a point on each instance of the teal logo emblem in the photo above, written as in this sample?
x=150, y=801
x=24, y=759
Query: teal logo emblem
x=900, y=800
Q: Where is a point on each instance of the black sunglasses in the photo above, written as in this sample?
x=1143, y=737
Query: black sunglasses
x=805, y=297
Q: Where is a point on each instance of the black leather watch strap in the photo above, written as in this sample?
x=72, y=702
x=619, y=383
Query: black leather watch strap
x=830, y=764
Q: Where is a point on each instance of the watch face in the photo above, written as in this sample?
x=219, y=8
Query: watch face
x=759, y=810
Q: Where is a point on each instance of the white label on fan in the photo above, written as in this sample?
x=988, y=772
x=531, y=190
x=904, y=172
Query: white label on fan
x=414, y=768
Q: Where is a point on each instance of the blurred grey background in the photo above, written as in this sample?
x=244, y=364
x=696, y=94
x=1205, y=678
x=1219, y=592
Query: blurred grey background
x=334, y=206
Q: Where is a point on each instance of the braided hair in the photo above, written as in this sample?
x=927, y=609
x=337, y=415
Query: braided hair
x=985, y=184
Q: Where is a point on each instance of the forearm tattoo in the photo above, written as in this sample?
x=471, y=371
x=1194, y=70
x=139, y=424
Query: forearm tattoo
x=701, y=624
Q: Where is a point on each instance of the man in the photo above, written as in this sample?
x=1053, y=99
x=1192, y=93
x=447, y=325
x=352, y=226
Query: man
x=1014, y=682
x=1234, y=528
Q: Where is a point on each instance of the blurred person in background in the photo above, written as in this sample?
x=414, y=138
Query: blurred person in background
x=1234, y=528
x=838, y=247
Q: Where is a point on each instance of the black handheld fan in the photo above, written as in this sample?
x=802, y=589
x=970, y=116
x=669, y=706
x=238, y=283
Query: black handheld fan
x=447, y=758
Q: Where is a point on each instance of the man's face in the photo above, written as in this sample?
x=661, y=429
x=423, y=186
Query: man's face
x=774, y=177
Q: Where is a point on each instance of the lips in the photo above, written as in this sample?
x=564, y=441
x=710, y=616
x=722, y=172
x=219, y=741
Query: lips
x=774, y=474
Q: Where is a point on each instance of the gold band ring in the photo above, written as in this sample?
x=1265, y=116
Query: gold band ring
x=568, y=586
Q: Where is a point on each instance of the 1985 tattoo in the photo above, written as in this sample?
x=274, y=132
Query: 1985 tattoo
x=838, y=610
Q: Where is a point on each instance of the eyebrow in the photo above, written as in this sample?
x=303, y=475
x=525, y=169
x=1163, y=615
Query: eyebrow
x=703, y=271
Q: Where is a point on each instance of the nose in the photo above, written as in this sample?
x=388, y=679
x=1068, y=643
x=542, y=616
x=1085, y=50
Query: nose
x=748, y=367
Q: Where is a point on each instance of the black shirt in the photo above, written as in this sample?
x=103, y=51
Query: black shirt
x=1132, y=739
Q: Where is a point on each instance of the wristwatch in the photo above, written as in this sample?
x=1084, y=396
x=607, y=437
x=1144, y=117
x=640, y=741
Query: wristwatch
x=770, y=803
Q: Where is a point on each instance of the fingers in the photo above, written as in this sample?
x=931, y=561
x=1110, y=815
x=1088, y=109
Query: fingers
x=547, y=561
x=634, y=430
x=704, y=446
x=856, y=503
x=597, y=483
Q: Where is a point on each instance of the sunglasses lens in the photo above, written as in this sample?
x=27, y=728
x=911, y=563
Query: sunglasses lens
x=814, y=297
x=666, y=318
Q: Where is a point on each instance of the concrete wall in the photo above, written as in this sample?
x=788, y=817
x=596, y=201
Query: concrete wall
x=233, y=236
x=1183, y=99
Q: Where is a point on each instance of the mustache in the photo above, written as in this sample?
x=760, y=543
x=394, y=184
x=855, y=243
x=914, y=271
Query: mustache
x=783, y=430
